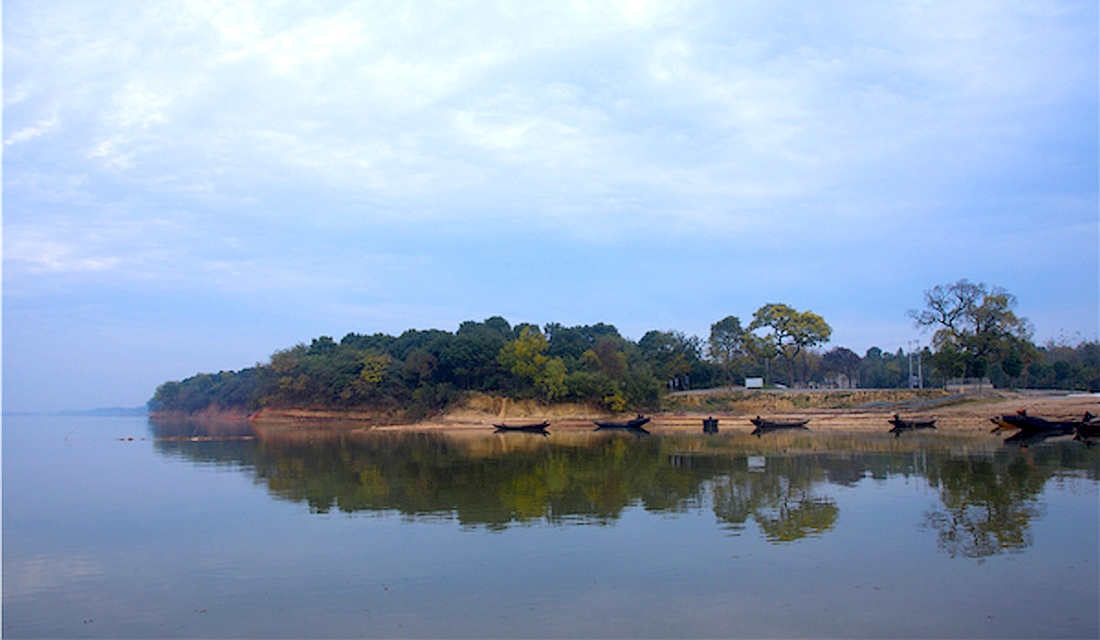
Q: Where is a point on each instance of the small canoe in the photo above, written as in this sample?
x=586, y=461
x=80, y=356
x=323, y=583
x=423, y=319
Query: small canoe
x=779, y=424
x=901, y=424
x=767, y=426
x=636, y=423
x=533, y=426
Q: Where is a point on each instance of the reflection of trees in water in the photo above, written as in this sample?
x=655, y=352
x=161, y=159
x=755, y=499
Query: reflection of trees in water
x=780, y=498
x=427, y=475
x=988, y=501
x=165, y=428
x=988, y=505
x=206, y=442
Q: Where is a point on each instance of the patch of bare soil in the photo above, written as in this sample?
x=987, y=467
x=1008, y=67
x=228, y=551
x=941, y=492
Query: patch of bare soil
x=958, y=413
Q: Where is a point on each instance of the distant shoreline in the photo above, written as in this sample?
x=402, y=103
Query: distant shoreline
x=105, y=412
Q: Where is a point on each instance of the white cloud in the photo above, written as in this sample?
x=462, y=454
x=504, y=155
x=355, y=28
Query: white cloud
x=152, y=142
x=287, y=49
x=139, y=105
x=29, y=133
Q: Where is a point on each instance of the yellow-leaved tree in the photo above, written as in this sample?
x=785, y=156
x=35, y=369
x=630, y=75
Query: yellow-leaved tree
x=525, y=357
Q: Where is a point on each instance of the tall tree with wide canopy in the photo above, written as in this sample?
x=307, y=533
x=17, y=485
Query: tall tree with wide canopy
x=789, y=331
x=975, y=326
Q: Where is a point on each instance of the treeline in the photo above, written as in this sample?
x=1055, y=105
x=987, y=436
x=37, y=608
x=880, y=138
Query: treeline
x=976, y=335
x=419, y=372
x=422, y=371
x=1052, y=366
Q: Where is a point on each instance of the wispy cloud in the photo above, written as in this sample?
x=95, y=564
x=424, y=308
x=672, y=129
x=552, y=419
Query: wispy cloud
x=232, y=145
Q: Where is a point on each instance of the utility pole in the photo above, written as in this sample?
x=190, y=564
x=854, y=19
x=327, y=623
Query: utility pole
x=916, y=381
x=920, y=370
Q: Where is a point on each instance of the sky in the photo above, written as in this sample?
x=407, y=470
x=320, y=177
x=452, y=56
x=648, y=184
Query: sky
x=190, y=186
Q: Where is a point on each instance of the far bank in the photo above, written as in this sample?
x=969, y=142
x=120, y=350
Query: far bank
x=832, y=410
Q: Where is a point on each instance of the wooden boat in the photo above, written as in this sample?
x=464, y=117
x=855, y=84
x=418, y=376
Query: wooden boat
x=779, y=424
x=1031, y=424
x=636, y=423
x=1033, y=430
x=767, y=426
x=903, y=424
x=1089, y=430
x=530, y=427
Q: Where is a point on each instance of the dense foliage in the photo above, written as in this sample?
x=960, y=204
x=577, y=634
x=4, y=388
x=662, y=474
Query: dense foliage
x=421, y=371
x=425, y=370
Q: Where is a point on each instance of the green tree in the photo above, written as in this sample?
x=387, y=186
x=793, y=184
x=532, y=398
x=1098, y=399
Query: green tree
x=551, y=380
x=789, y=331
x=883, y=370
x=846, y=361
x=670, y=355
x=727, y=345
x=470, y=358
x=949, y=361
x=525, y=357
x=975, y=326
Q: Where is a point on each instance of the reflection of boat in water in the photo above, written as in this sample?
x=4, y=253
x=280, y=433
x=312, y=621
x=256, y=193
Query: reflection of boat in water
x=767, y=426
x=533, y=427
x=903, y=424
x=1026, y=439
x=634, y=425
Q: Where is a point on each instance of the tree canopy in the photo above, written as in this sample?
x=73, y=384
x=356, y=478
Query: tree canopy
x=976, y=333
x=975, y=327
x=789, y=331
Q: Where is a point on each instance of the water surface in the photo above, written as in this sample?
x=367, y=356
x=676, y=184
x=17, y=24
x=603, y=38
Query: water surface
x=115, y=527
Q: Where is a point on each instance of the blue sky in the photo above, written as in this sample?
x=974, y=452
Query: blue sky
x=189, y=186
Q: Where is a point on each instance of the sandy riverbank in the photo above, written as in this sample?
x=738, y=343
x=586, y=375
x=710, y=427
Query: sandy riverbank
x=866, y=411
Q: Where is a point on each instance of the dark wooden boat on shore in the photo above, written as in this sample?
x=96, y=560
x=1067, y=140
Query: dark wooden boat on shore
x=533, y=427
x=1032, y=424
x=1033, y=430
x=634, y=425
x=767, y=426
x=761, y=423
x=910, y=424
x=1089, y=430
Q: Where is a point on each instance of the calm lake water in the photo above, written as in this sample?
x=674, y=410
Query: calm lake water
x=518, y=535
